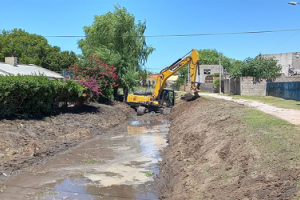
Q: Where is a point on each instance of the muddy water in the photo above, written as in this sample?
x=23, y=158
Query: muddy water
x=119, y=165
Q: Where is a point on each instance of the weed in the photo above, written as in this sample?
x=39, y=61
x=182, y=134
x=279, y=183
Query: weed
x=148, y=174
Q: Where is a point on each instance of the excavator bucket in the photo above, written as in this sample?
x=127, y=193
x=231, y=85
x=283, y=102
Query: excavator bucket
x=190, y=96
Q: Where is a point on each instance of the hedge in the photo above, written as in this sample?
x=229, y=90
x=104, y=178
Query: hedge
x=31, y=95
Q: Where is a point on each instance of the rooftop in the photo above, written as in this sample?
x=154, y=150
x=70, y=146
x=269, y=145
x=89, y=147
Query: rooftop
x=22, y=69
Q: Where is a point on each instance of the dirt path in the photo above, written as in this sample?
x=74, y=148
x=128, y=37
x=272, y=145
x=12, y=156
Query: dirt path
x=290, y=115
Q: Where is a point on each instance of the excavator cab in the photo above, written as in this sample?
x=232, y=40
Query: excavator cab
x=167, y=98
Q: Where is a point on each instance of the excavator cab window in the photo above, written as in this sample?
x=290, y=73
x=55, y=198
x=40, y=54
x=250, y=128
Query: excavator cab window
x=167, y=98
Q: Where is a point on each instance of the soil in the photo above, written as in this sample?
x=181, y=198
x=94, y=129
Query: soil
x=212, y=156
x=24, y=143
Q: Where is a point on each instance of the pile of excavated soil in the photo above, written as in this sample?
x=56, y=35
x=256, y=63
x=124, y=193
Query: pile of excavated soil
x=211, y=155
x=27, y=142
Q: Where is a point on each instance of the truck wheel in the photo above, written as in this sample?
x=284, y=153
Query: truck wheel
x=166, y=111
x=141, y=110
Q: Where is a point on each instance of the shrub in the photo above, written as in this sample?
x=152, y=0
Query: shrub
x=98, y=77
x=31, y=95
x=217, y=82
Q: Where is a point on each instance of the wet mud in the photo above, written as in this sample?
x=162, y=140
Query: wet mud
x=114, y=165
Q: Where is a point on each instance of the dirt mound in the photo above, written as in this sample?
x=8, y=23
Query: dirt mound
x=190, y=97
x=27, y=142
x=211, y=155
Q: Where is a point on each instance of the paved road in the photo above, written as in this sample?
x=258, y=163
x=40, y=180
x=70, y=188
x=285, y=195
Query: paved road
x=290, y=115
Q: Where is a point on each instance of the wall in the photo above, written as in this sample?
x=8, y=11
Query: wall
x=253, y=86
x=235, y=86
x=245, y=86
x=213, y=69
x=207, y=87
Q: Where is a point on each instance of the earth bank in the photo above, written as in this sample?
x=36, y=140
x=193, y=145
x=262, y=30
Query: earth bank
x=222, y=150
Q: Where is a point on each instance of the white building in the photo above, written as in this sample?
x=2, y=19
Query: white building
x=11, y=67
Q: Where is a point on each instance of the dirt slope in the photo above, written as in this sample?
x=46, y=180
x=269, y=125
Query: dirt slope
x=212, y=155
x=27, y=142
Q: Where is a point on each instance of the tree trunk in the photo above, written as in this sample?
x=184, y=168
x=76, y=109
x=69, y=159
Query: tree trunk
x=125, y=91
x=116, y=95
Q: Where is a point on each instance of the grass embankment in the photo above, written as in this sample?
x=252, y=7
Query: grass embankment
x=277, y=140
x=273, y=101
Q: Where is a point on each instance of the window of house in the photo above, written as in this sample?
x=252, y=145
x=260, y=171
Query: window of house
x=206, y=71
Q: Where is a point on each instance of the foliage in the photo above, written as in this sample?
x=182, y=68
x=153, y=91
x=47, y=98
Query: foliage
x=144, y=74
x=259, y=67
x=31, y=95
x=213, y=75
x=34, y=49
x=217, y=82
x=98, y=77
x=68, y=91
x=119, y=40
x=183, y=75
x=211, y=57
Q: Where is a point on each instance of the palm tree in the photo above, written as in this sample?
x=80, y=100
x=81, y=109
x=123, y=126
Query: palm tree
x=144, y=74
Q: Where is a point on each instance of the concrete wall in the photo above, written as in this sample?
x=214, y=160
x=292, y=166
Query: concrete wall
x=213, y=69
x=234, y=86
x=207, y=87
x=283, y=78
x=253, y=86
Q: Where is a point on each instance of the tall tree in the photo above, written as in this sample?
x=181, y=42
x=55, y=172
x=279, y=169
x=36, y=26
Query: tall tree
x=34, y=49
x=211, y=57
x=120, y=42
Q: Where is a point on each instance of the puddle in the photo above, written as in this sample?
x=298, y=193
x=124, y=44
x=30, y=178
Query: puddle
x=117, y=165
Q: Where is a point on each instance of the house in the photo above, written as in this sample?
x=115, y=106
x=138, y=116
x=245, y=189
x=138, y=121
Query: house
x=206, y=70
x=11, y=67
x=152, y=79
x=290, y=62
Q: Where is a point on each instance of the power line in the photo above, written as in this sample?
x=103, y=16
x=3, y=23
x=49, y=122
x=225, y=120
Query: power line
x=283, y=42
x=183, y=35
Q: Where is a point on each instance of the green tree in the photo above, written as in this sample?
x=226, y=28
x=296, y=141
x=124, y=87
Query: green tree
x=34, y=49
x=119, y=41
x=183, y=75
x=144, y=74
x=211, y=57
x=259, y=67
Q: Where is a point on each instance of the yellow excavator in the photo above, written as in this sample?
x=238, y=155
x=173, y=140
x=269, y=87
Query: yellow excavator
x=162, y=99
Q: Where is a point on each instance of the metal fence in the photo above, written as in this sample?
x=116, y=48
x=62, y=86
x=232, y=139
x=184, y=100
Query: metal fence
x=286, y=90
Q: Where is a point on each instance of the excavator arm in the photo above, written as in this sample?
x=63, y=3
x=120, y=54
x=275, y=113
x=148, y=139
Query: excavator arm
x=161, y=97
x=192, y=59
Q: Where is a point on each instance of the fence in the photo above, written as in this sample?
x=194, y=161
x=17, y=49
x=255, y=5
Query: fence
x=286, y=90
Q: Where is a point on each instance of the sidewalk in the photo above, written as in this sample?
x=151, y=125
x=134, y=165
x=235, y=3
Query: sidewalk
x=290, y=115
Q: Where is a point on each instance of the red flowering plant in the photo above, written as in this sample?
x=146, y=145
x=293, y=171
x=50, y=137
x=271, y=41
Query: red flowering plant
x=98, y=77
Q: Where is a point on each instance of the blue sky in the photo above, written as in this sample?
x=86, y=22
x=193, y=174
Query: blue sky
x=167, y=17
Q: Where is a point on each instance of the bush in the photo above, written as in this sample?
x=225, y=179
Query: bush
x=217, y=82
x=31, y=95
x=97, y=76
x=213, y=75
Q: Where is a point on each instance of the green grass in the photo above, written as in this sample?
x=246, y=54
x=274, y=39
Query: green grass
x=273, y=101
x=277, y=139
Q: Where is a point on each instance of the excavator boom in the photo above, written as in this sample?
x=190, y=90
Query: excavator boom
x=193, y=60
x=161, y=97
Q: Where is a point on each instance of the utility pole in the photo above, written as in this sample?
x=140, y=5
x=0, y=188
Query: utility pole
x=220, y=81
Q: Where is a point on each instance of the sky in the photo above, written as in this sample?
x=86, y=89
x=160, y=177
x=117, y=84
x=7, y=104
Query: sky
x=167, y=17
